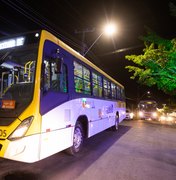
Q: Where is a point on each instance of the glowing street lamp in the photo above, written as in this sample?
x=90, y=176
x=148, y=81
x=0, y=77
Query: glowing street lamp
x=109, y=30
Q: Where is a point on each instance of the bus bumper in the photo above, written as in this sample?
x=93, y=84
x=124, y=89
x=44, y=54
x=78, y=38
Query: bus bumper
x=25, y=149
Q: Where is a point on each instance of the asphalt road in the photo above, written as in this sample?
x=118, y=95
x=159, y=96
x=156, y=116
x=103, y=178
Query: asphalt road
x=139, y=151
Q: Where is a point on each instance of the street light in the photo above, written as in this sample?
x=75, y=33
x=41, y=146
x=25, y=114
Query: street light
x=109, y=30
x=147, y=95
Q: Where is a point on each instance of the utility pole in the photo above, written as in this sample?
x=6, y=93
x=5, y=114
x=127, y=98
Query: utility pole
x=83, y=32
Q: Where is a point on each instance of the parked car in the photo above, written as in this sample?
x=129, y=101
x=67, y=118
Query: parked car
x=129, y=114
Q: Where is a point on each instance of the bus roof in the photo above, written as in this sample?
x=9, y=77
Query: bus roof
x=147, y=102
x=49, y=36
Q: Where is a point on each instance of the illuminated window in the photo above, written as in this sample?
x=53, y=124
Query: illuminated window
x=59, y=81
x=113, y=90
x=82, y=79
x=118, y=93
x=107, y=88
x=54, y=81
x=122, y=93
x=97, y=85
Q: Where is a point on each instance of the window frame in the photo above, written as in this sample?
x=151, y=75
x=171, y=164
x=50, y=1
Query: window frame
x=82, y=79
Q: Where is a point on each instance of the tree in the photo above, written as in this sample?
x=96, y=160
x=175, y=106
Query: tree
x=157, y=66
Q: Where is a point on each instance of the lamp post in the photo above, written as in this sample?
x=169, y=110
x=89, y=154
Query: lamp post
x=109, y=29
x=146, y=94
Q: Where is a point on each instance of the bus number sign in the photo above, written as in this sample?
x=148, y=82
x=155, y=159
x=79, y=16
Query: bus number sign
x=3, y=133
x=7, y=104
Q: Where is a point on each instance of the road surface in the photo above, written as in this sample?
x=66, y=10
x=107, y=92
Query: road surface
x=139, y=151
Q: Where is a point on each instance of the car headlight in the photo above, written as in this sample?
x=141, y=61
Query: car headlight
x=162, y=118
x=169, y=118
x=131, y=115
x=21, y=130
x=154, y=114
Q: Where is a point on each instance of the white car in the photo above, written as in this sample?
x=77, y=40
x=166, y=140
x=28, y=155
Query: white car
x=129, y=114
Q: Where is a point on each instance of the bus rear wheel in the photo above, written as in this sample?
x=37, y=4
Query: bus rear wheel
x=78, y=138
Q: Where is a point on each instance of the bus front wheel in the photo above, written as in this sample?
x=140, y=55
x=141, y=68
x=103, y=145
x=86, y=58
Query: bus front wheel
x=78, y=138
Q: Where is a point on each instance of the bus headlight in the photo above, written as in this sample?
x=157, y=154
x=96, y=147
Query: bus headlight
x=141, y=114
x=154, y=114
x=21, y=129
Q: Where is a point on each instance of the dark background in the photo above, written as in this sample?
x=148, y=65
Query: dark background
x=68, y=19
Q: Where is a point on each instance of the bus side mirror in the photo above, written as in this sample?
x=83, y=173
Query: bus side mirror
x=58, y=62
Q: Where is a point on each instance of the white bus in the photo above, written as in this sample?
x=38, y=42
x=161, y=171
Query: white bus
x=52, y=98
x=148, y=110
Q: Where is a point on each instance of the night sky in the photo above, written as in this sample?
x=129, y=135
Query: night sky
x=66, y=19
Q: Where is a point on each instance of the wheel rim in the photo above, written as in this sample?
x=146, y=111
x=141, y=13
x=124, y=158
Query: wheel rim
x=77, y=140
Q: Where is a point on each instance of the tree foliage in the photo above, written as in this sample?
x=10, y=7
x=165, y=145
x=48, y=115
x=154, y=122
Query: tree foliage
x=157, y=65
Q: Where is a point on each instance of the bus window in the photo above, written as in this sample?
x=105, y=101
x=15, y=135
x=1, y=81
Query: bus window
x=118, y=92
x=59, y=81
x=46, y=75
x=64, y=81
x=113, y=89
x=122, y=94
x=86, y=77
x=17, y=68
x=78, y=77
x=107, y=88
x=100, y=86
x=97, y=85
x=82, y=79
x=53, y=80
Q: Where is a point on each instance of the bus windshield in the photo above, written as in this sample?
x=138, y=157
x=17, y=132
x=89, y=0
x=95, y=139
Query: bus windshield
x=147, y=105
x=17, y=70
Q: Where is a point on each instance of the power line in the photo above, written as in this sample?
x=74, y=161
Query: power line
x=123, y=50
x=27, y=11
x=83, y=32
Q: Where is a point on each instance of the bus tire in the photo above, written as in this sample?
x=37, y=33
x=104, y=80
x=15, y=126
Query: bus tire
x=78, y=138
x=116, y=125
